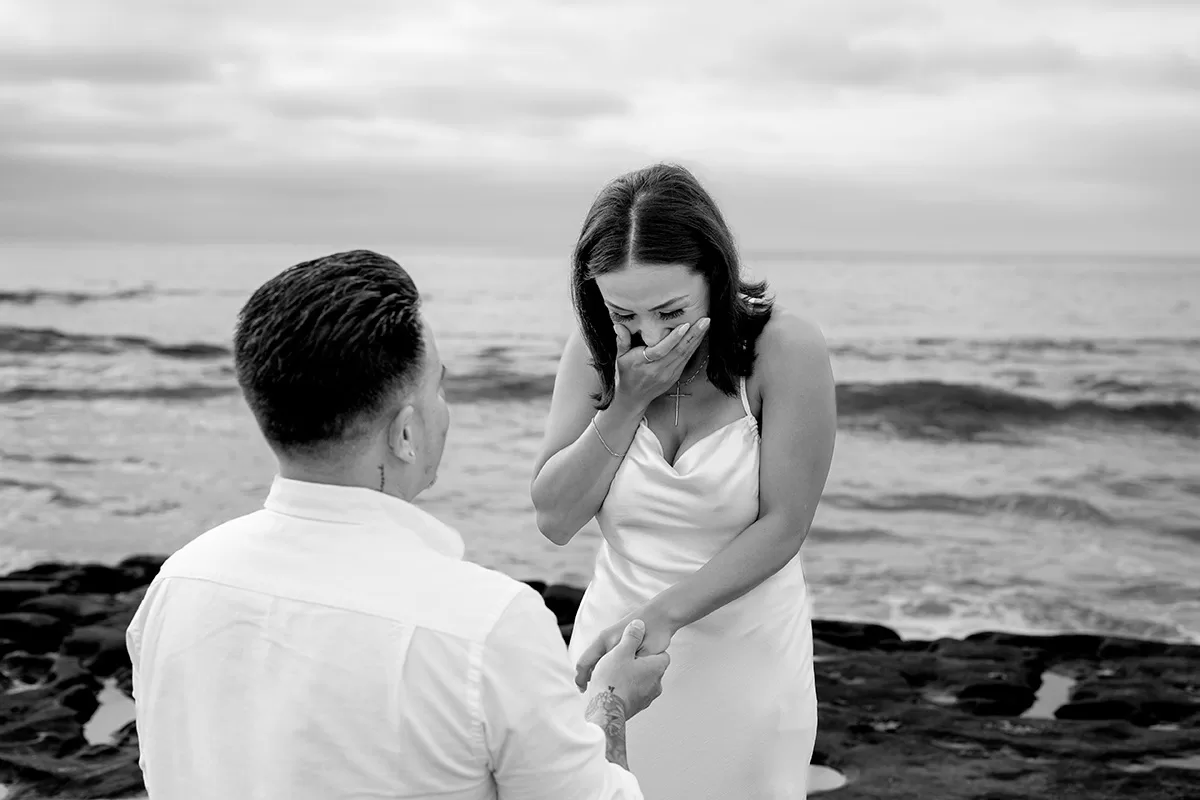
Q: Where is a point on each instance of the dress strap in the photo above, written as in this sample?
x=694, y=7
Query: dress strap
x=745, y=399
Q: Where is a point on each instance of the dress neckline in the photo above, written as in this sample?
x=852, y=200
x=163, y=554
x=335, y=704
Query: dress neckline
x=674, y=465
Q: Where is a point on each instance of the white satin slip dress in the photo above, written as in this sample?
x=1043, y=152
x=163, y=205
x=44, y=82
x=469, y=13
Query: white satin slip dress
x=737, y=717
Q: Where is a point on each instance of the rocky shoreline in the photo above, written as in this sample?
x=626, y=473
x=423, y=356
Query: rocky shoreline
x=993, y=716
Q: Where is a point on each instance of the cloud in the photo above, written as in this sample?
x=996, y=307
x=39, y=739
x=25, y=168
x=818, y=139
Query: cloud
x=101, y=65
x=475, y=121
x=950, y=65
x=487, y=102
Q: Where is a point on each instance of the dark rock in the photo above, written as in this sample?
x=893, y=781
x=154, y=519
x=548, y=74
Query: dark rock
x=853, y=635
x=33, y=633
x=1162, y=689
x=20, y=667
x=1114, y=648
x=126, y=607
x=45, y=727
x=81, y=700
x=14, y=593
x=98, y=579
x=142, y=568
x=906, y=720
x=996, y=698
x=1097, y=709
x=871, y=682
x=967, y=650
x=1167, y=712
x=101, y=649
x=76, y=609
x=563, y=601
x=45, y=570
x=1062, y=647
x=69, y=672
x=124, y=680
x=90, y=771
x=1185, y=651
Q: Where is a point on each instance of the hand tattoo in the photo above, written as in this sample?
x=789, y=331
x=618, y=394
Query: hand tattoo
x=607, y=711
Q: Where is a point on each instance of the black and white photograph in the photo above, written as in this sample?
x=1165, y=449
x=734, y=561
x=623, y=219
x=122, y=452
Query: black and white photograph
x=579, y=400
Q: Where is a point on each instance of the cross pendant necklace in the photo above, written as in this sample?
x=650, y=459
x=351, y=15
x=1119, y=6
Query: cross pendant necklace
x=679, y=393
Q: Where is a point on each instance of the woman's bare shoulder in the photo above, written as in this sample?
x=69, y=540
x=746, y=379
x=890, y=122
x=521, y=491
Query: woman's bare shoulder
x=576, y=377
x=576, y=359
x=790, y=344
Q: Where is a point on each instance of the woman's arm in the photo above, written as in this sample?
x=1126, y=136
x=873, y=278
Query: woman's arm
x=583, y=448
x=799, y=424
x=574, y=469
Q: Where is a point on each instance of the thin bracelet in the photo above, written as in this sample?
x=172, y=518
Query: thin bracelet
x=604, y=443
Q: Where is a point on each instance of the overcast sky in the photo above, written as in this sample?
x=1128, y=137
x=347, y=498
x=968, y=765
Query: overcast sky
x=874, y=124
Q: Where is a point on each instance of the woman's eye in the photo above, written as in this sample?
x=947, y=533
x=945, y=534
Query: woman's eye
x=620, y=317
x=672, y=314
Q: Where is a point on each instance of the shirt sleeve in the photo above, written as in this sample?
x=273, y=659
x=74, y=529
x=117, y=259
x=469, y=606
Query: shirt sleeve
x=539, y=744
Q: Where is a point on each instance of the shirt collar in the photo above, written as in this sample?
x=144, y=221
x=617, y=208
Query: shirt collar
x=358, y=505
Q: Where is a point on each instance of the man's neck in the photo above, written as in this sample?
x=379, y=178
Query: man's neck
x=362, y=475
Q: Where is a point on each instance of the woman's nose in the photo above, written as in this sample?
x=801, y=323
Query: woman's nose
x=653, y=335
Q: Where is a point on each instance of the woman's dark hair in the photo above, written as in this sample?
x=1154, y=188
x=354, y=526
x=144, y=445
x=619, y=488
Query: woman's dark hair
x=662, y=215
x=325, y=344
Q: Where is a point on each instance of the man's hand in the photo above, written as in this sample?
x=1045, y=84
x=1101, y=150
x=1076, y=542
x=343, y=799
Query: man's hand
x=653, y=638
x=634, y=678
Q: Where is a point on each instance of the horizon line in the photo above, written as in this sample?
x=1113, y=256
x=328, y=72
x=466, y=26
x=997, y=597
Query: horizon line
x=759, y=253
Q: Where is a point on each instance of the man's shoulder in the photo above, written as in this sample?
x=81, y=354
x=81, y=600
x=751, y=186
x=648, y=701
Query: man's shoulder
x=213, y=539
x=412, y=586
x=473, y=598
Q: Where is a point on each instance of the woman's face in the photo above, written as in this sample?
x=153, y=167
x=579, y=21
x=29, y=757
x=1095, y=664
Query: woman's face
x=652, y=299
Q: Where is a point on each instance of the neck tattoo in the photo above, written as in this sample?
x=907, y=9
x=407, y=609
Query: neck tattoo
x=679, y=393
x=381, y=477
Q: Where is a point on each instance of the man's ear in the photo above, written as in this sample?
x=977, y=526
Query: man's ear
x=402, y=435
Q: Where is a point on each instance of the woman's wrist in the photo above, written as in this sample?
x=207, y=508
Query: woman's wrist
x=622, y=412
x=664, y=612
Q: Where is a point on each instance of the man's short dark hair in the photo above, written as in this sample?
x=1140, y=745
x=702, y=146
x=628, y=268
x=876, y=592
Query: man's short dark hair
x=326, y=345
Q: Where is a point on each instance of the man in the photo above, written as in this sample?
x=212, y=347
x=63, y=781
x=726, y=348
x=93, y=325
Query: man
x=334, y=644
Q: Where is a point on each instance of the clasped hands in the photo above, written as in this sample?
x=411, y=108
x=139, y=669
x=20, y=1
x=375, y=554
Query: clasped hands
x=659, y=631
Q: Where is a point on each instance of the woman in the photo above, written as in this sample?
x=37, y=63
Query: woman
x=696, y=424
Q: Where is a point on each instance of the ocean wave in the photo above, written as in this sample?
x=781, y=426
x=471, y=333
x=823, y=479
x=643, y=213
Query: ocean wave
x=1036, y=506
x=932, y=409
x=51, y=341
x=497, y=384
x=1189, y=532
x=997, y=351
x=914, y=409
x=1165, y=384
x=186, y=392
x=481, y=387
x=57, y=495
x=58, y=459
x=1107, y=345
x=849, y=535
x=29, y=297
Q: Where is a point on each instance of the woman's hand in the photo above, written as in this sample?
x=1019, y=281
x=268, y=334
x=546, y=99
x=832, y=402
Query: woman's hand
x=658, y=635
x=644, y=373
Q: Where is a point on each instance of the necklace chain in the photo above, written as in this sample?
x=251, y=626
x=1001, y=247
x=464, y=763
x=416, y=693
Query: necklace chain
x=678, y=394
x=699, y=369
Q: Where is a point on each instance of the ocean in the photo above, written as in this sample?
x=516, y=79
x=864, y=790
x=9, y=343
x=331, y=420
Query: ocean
x=1018, y=445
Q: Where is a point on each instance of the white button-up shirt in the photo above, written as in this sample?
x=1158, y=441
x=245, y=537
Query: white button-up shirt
x=336, y=645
